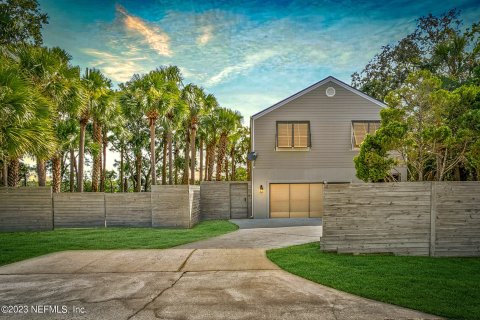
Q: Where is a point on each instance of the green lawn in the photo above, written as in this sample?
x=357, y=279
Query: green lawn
x=448, y=287
x=15, y=246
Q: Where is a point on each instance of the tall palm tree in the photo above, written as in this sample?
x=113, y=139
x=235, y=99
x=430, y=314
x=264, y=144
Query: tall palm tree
x=96, y=86
x=233, y=143
x=50, y=71
x=132, y=109
x=194, y=97
x=160, y=92
x=228, y=121
x=119, y=139
x=210, y=127
x=211, y=104
x=26, y=125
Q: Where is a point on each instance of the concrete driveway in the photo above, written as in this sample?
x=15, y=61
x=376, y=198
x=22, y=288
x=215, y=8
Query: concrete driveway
x=186, y=283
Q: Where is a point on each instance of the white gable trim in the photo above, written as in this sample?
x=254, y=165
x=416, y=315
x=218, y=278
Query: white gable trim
x=315, y=86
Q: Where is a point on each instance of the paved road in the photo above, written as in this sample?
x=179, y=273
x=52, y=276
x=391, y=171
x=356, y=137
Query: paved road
x=182, y=283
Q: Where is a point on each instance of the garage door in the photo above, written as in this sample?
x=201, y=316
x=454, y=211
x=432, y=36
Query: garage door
x=296, y=200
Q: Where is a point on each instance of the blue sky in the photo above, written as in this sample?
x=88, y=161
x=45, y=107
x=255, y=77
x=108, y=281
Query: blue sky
x=250, y=54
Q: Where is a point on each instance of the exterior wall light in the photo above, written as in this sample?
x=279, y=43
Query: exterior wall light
x=261, y=188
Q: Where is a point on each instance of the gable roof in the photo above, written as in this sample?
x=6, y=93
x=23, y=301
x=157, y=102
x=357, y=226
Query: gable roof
x=315, y=86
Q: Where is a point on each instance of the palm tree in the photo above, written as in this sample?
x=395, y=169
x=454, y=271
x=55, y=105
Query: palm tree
x=49, y=70
x=26, y=125
x=233, y=142
x=160, y=91
x=209, y=126
x=239, y=150
x=132, y=109
x=194, y=97
x=228, y=121
x=96, y=86
x=211, y=105
x=119, y=138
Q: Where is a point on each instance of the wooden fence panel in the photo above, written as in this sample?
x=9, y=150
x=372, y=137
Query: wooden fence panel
x=457, y=226
x=381, y=217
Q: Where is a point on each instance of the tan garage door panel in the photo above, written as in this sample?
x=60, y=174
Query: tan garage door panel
x=316, y=200
x=296, y=200
x=299, y=195
x=279, y=200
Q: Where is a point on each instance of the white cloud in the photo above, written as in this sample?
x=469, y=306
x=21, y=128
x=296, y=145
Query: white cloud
x=205, y=36
x=118, y=68
x=153, y=35
x=250, y=61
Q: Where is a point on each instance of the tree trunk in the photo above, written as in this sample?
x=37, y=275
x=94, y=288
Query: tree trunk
x=72, y=170
x=164, y=160
x=249, y=170
x=201, y=160
x=138, y=164
x=104, y=162
x=193, y=154
x=170, y=163
x=226, y=167
x=122, y=189
x=456, y=174
x=176, y=152
x=5, y=173
x=97, y=138
x=147, y=181
x=41, y=173
x=211, y=159
x=232, y=156
x=222, y=145
x=125, y=184
x=186, y=165
x=13, y=172
x=152, y=151
x=205, y=174
x=56, y=173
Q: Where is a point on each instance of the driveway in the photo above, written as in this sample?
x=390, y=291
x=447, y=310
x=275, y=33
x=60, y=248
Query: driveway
x=265, y=234
x=179, y=283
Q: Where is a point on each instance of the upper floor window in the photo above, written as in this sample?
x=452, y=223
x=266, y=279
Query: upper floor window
x=360, y=130
x=293, y=134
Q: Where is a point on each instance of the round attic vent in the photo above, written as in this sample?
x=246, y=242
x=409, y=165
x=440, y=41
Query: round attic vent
x=330, y=91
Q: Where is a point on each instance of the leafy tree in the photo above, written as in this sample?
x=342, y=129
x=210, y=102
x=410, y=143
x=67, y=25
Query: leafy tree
x=419, y=130
x=438, y=44
x=21, y=22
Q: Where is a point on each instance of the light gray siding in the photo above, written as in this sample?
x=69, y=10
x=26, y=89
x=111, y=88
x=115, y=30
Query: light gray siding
x=330, y=127
x=330, y=157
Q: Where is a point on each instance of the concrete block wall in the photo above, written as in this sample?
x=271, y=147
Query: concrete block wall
x=26, y=209
x=215, y=199
x=34, y=208
x=194, y=194
x=79, y=210
x=172, y=206
x=128, y=209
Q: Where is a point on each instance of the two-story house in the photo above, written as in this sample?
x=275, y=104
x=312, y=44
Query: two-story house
x=305, y=141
